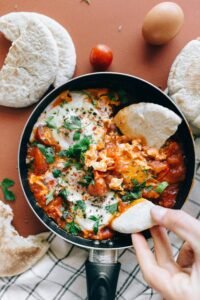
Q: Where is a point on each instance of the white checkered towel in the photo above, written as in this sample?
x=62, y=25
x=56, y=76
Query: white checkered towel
x=60, y=274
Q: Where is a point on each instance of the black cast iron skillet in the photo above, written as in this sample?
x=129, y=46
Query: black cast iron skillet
x=102, y=268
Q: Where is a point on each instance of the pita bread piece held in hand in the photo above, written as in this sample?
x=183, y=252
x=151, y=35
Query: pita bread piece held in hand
x=135, y=218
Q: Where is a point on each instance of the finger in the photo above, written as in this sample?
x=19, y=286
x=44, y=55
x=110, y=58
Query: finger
x=185, y=258
x=157, y=277
x=185, y=226
x=142, y=249
x=163, y=250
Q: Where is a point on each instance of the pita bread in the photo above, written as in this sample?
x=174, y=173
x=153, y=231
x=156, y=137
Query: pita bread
x=17, y=254
x=30, y=67
x=12, y=25
x=151, y=122
x=135, y=219
x=184, y=83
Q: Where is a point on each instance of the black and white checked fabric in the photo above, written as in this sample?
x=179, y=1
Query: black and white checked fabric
x=60, y=274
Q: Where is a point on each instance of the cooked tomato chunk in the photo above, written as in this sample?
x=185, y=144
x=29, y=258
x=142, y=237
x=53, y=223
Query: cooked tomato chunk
x=40, y=165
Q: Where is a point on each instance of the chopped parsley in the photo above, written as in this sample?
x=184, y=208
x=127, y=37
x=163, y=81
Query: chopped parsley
x=136, y=191
x=70, y=163
x=87, y=179
x=112, y=208
x=56, y=173
x=76, y=136
x=123, y=97
x=73, y=124
x=48, y=152
x=50, y=122
x=148, y=188
x=161, y=187
x=5, y=185
x=96, y=224
x=80, y=204
x=64, y=194
x=72, y=228
x=77, y=150
x=111, y=95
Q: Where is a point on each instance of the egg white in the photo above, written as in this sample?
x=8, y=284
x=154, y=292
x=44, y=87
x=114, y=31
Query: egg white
x=91, y=125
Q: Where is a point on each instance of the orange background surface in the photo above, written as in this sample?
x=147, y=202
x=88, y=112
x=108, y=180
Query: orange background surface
x=116, y=23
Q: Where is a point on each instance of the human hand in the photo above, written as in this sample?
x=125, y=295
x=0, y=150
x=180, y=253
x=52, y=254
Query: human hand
x=178, y=280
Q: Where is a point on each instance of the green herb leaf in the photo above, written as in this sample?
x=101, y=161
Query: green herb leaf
x=94, y=102
x=96, y=224
x=76, y=136
x=56, y=173
x=148, y=188
x=138, y=186
x=5, y=184
x=73, y=124
x=80, y=204
x=161, y=187
x=78, y=165
x=48, y=152
x=70, y=163
x=72, y=228
x=96, y=227
x=50, y=196
x=111, y=95
x=93, y=218
x=76, y=150
x=129, y=196
x=9, y=195
x=136, y=191
x=50, y=122
x=112, y=208
x=87, y=179
x=64, y=194
x=123, y=98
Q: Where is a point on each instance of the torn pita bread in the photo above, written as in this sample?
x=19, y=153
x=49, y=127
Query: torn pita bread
x=17, y=254
x=30, y=66
x=184, y=83
x=151, y=122
x=135, y=219
x=12, y=25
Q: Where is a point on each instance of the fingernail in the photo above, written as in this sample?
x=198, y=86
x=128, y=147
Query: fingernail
x=158, y=212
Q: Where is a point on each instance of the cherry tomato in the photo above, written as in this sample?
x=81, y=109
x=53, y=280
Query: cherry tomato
x=101, y=57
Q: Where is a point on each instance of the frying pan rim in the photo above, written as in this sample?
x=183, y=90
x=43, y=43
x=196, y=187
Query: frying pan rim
x=79, y=244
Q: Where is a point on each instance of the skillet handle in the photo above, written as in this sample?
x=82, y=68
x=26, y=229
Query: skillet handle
x=102, y=280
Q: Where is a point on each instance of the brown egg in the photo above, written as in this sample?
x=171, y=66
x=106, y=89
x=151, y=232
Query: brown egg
x=162, y=23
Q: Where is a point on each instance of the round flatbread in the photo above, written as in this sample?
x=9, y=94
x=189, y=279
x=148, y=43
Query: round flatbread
x=17, y=254
x=30, y=66
x=135, y=219
x=184, y=84
x=12, y=25
x=151, y=122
